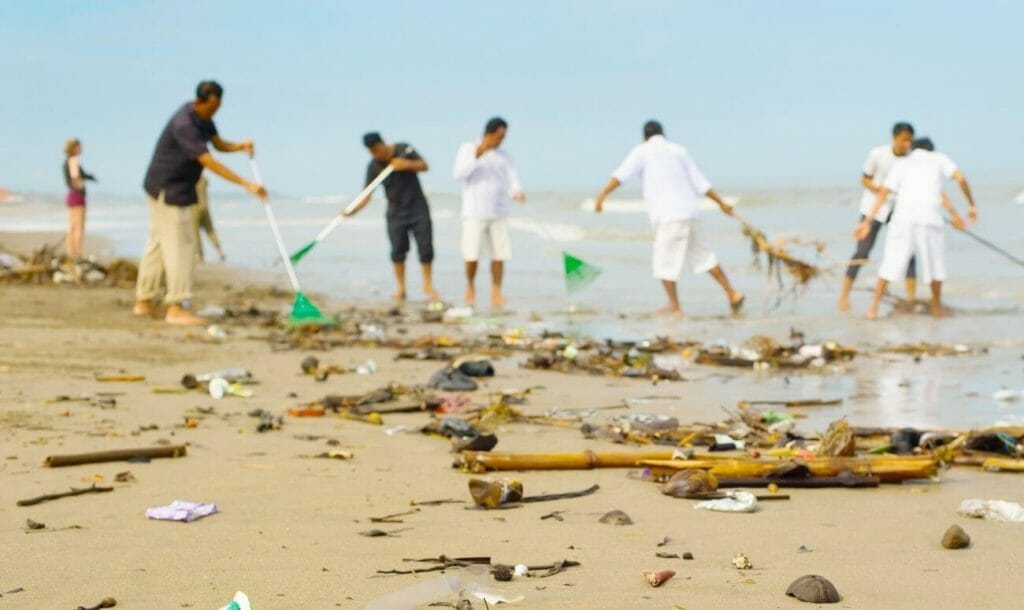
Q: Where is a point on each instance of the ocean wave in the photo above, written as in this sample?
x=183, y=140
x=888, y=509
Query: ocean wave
x=636, y=206
x=1019, y=198
x=549, y=231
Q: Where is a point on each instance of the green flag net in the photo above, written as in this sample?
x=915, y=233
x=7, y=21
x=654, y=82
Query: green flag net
x=578, y=274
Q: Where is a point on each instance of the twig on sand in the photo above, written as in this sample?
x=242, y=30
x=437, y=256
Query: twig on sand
x=393, y=518
x=63, y=494
x=563, y=496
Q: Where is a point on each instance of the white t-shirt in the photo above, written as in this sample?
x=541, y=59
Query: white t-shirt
x=917, y=182
x=673, y=185
x=487, y=182
x=877, y=166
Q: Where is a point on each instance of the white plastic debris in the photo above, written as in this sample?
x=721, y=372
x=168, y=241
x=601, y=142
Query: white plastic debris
x=735, y=502
x=239, y=602
x=992, y=510
x=521, y=569
x=467, y=582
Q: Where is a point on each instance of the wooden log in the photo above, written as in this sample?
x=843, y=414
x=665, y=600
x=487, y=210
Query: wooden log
x=888, y=469
x=118, y=455
x=479, y=461
x=1003, y=465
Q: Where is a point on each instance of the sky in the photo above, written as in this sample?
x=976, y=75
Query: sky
x=783, y=93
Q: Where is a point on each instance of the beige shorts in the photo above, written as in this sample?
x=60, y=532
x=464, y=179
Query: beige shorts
x=678, y=245
x=904, y=241
x=491, y=231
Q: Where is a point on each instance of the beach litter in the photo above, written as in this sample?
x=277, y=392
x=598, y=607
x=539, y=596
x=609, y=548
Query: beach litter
x=992, y=510
x=117, y=455
x=239, y=602
x=450, y=379
x=181, y=510
x=106, y=602
x=813, y=589
x=742, y=562
x=734, y=502
x=615, y=517
x=656, y=579
x=955, y=538
x=463, y=584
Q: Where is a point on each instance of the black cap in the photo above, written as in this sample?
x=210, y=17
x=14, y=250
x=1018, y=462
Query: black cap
x=923, y=143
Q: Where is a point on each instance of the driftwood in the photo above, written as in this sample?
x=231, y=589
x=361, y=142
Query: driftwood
x=63, y=494
x=118, y=455
x=563, y=496
x=805, y=483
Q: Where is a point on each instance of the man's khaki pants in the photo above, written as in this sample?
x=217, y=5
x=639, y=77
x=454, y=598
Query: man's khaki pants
x=169, y=251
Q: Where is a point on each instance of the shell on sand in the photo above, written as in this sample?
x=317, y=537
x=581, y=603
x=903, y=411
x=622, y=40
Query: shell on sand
x=814, y=589
x=689, y=482
x=616, y=517
x=656, y=579
x=742, y=562
x=955, y=538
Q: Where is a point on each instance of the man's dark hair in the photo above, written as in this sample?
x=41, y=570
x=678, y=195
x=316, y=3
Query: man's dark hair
x=372, y=139
x=653, y=128
x=923, y=143
x=902, y=126
x=207, y=88
x=494, y=125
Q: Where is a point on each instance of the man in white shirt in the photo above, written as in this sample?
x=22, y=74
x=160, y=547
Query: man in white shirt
x=489, y=180
x=916, y=226
x=673, y=188
x=877, y=166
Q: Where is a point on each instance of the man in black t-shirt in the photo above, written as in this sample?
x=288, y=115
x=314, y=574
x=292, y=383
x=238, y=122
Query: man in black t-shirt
x=179, y=158
x=407, y=211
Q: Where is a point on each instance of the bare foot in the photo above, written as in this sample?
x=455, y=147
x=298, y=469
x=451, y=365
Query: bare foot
x=470, y=297
x=844, y=304
x=872, y=314
x=143, y=308
x=736, y=303
x=938, y=311
x=674, y=312
x=498, y=300
x=183, y=317
x=399, y=296
x=431, y=293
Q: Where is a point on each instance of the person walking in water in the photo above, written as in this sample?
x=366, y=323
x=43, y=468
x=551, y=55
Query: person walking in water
x=877, y=166
x=202, y=221
x=75, y=178
x=673, y=188
x=408, y=211
x=489, y=179
x=178, y=161
x=916, y=228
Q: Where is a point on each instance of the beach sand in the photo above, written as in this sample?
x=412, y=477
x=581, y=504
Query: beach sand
x=287, y=530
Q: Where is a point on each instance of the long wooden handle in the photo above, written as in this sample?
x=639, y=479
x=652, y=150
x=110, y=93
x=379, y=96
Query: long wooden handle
x=355, y=206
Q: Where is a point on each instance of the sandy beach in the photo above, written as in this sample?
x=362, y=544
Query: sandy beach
x=287, y=532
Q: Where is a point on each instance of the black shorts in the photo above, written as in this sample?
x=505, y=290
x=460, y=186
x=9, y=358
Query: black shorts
x=422, y=231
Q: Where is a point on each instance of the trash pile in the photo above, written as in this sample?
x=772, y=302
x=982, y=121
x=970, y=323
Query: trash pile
x=762, y=353
x=610, y=358
x=933, y=349
x=45, y=266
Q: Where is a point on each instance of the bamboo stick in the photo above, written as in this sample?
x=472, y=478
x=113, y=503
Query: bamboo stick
x=1003, y=465
x=887, y=468
x=119, y=455
x=480, y=461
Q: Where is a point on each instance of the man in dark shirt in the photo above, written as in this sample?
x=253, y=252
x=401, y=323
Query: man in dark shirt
x=170, y=185
x=408, y=211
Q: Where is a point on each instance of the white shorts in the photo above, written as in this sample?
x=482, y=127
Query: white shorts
x=678, y=244
x=903, y=241
x=493, y=231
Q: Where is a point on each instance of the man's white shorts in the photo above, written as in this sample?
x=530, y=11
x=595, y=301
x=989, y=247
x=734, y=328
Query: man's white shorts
x=678, y=244
x=492, y=231
x=903, y=241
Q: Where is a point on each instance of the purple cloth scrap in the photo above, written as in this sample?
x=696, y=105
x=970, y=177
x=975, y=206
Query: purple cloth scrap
x=180, y=510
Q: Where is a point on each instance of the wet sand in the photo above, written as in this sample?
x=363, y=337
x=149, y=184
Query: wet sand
x=288, y=529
